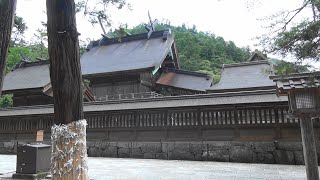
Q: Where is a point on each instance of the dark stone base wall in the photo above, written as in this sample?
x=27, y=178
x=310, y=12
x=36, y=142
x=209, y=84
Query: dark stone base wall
x=245, y=152
x=246, y=146
x=8, y=147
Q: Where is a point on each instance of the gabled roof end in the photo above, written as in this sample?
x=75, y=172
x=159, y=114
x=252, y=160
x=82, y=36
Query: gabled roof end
x=257, y=56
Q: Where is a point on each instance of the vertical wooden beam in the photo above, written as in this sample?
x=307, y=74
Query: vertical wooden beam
x=236, y=130
x=276, y=122
x=309, y=148
x=198, y=117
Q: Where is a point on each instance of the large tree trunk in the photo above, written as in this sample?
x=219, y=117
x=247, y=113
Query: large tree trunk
x=7, y=12
x=69, y=132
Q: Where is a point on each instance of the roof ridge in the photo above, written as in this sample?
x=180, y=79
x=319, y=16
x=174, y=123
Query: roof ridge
x=296, y=76
x=186, y=72
x=24, y=64
x=245, y=63
x=135, y=37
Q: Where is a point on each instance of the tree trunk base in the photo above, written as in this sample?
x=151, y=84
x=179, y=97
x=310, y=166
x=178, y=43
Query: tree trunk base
x=69, y=151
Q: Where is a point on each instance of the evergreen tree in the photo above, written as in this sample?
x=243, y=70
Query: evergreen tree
x=298, y=39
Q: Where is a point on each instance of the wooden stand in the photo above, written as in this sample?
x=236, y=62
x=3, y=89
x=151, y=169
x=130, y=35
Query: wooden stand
x=41, y=175
x=309, y=148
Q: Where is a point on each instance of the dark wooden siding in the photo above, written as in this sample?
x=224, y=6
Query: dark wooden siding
x=31, y=99
x=245, y=122
x=112, y=89
x=118, y=85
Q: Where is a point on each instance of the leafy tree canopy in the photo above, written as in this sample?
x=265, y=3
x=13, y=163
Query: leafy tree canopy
x=18, y=30
x=6, y=101
x=302, y=40
x=284, y=67
x=96, y=10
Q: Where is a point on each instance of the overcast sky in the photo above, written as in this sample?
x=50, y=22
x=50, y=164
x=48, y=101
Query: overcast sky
x=235, y=20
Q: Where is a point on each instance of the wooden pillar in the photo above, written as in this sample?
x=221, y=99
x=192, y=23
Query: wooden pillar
x=236, y=130
x=309, y=148
x=277, y=126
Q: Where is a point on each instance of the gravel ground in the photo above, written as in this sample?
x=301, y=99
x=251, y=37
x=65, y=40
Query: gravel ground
x=136, y=169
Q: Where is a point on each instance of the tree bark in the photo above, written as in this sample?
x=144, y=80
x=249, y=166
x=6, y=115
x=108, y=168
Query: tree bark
x=69, y=132
x=7, y=13
x=309, y=148
x=65, y=72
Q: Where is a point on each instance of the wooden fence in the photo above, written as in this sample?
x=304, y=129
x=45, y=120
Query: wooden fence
x=245, y=116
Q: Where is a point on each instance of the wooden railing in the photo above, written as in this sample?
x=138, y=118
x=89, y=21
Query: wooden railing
x=128, y=96
x=208, y=117
x=246, y=116
x=29, y=123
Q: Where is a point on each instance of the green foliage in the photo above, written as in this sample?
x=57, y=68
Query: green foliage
x=18, y=30
x=87, y=82
x=215, y=77
x=40, y=43
x=14, y=56
x=96, y=10
x=6, y=101
x=284, y=68
x=82, y=47
x=302, y=39
x=27, y=52
x=201, y=51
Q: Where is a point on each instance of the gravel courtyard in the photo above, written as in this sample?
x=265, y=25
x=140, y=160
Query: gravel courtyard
x=136, y=169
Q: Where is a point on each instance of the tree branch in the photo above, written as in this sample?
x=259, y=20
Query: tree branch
x=297, y=12
x=101, y=24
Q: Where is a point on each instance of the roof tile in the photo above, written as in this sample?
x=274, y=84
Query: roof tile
x=124, y=56
x=29, y=77
x=185, y=80
x=245, y=75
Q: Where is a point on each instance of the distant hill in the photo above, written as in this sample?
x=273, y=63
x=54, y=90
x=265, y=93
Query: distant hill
x=201, y=51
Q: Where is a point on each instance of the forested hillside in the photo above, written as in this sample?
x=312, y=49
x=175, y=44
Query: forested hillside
x=201, y=51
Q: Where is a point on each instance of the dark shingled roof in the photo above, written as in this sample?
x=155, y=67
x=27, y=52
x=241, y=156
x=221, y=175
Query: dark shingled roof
x=33, y=75
x=27, y=76
x=185, y=80
x=286, y=83
x=248, y=75
x=126, y=54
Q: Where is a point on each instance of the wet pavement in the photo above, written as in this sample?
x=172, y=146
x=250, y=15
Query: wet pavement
x=136, y=169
